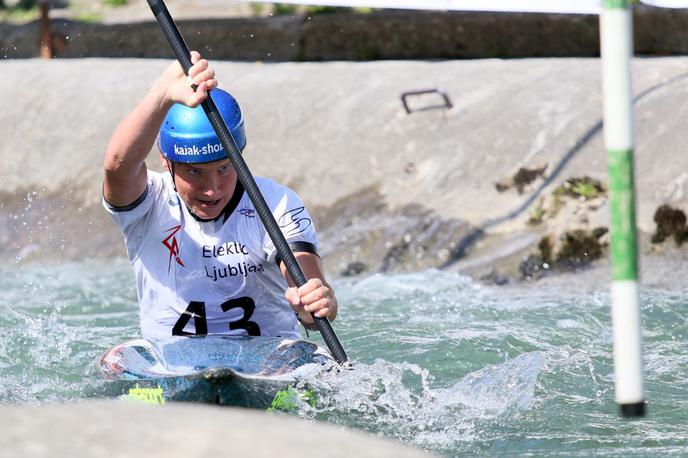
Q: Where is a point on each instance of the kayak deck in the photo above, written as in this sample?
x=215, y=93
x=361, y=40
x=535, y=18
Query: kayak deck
x=239, y=371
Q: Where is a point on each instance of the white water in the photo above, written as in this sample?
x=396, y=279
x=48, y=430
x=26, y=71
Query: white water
x=441, y=362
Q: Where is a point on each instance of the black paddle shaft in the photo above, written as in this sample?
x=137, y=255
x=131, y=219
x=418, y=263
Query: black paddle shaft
x=181, y=51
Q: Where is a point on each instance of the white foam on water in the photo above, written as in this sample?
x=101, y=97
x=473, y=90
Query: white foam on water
x=396, y=399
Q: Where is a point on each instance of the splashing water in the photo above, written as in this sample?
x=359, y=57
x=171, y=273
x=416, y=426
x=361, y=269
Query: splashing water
x=440, y=362
x=55, y=321
x=396, y=400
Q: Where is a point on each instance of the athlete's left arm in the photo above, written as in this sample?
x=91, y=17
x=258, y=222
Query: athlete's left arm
x=316, y=296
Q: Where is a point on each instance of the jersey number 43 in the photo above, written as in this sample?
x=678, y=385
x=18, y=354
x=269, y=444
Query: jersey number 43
x=196, y=310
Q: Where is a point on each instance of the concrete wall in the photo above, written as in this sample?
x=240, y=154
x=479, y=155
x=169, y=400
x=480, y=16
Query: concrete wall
x=348, y=36
x=372, y=175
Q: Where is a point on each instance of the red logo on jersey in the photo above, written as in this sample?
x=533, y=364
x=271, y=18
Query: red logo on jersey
x=171, y=243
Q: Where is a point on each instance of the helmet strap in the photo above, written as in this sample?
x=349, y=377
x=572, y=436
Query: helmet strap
x=170, y=167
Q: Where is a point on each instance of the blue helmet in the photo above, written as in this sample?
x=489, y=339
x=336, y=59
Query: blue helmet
x=186, y=135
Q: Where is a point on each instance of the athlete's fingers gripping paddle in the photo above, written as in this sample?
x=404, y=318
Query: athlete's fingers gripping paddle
x=181, y=52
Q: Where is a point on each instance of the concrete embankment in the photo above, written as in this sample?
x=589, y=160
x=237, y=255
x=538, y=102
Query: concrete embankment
x=109, y=429
x=389, y=190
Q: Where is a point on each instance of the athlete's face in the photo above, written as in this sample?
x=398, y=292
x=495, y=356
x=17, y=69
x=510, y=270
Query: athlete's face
x=205, y=188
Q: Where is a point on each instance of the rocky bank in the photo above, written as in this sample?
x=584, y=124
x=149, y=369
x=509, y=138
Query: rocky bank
x=506, y=183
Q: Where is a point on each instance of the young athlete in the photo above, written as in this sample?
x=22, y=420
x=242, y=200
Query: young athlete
x=203, y=261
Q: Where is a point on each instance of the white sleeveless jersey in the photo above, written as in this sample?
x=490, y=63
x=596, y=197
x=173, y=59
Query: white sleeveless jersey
x=216, y=277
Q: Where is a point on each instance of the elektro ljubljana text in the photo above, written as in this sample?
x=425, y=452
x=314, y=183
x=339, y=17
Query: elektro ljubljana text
x=239, y=268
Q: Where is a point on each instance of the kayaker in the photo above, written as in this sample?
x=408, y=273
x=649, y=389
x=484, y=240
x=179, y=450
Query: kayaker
x=203, y=261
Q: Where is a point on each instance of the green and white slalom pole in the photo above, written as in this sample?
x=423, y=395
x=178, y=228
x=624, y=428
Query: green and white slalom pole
x=616, y=32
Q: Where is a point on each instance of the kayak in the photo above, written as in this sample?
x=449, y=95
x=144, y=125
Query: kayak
x=225, y=370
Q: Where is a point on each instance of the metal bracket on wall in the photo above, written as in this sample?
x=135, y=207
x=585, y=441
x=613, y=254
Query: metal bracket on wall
x=447, y=101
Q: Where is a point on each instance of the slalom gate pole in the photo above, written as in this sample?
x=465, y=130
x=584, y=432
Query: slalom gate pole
x=616, y=34
x=181, y=51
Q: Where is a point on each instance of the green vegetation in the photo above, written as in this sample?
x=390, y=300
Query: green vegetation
x=283, y=9
x=584, y=188
x=537, y=215
x=19, y=14
x=257, y=8
x=312, y=10
x=26, y=4
x=89, y=17
x=29, y=10
x=325, y=9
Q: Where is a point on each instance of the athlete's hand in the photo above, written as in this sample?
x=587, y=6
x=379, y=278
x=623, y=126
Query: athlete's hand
x=178, y=89
x=314, y=297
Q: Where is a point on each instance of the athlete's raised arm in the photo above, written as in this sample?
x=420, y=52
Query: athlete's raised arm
x=124, y=167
